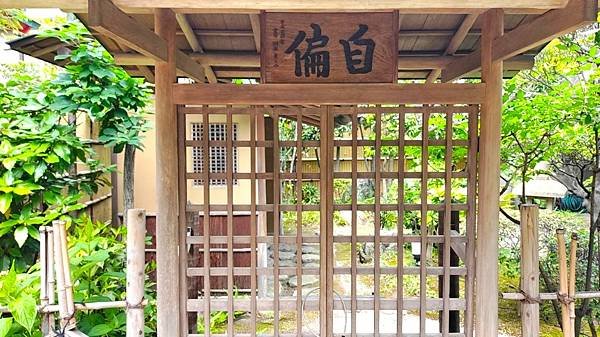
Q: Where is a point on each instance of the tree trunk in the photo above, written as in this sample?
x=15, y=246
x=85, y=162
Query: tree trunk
x=128, y=179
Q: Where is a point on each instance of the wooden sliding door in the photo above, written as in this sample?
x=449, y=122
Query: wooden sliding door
x=332, y=220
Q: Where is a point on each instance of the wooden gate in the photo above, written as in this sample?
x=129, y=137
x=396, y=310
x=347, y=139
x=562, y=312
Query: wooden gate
x=365, y=265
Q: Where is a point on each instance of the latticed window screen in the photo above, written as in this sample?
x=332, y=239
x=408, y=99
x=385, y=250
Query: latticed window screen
x=218, y=154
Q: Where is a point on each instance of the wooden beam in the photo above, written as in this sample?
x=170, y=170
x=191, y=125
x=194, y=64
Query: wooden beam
x=254, y=7
x=147, y=73
x=252, y=60
x=255, y=22
x=529, y=35
x=455, y=42
x=486, y=288
x=299, y=94
x=167, y=236
x=225, y=6
x=192, y=39
x=109, y=20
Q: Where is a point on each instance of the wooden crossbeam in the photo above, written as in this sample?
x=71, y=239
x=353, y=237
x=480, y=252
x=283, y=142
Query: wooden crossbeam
x=299, y=94
x=286, y=5
x=538, y=31
x=109, y=20
x=192, y=39
x=455, y=42
x=245, y=59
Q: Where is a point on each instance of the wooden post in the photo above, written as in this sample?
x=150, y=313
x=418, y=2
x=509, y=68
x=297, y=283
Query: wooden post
x=454, y=291
x=530, y=272
x=136, y=231
x=563, y=278
x=486, y=308
x=167, y=238
x=44, y=278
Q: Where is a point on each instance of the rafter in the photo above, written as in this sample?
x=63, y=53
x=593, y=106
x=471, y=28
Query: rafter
x=255, y=22
x=529, y=35
x=455, y=42
x=192, y=39
x=109, y=20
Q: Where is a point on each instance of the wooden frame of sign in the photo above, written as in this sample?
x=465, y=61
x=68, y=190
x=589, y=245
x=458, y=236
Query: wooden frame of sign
x=329, y=47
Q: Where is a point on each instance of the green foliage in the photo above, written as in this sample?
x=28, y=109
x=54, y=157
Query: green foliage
x=10, y=21
x=38, y=148
x=19, y=292
x=97, y=258
x=94, y=84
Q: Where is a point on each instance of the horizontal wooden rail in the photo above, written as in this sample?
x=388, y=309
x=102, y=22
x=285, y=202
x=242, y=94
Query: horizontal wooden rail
x=329, y=94
x=343, y=110
x=310, y=334
x=245, y=271
x=292, y=208
x=312, y=304
x=220, y=239
x=314, y=176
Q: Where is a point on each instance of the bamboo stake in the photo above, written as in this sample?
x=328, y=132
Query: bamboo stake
x=572, y=272
x=136, y=230
x=50, y=269
x=563, y=282
x=44, y=278
x=60, y=276
x=67, y=273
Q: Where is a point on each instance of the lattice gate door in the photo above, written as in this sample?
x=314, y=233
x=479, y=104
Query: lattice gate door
x=309, y=210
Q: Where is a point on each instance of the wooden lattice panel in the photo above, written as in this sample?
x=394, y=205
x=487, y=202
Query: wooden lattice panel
x=411, y=180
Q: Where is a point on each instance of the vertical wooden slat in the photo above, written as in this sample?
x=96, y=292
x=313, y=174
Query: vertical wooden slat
x=489, y=179
x=276, y=202
x=377, y=224
x=354, y=257
x=423, y=228
x=299, y=222
x=325, y=302
x=253, y=223
x=329, y=224
x=167, y=273
x=471, y=214
x=400, y=225
x=206, y=220
x=229, y=176
x=183, y=251
x=447, y=217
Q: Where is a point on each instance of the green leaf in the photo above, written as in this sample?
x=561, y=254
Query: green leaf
x=5, y=201
x=26, y=188
x=5, y=324
x=24, y=311
x=21, y=234
x=9, y=163
x=99, y=330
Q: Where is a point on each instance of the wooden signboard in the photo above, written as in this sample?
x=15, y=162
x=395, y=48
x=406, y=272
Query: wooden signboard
x=329, y=47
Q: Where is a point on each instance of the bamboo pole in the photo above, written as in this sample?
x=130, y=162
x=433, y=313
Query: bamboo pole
x=136, y=231
x=60, y=276
x=530, y=273
x=563, y=282
x=52, y=308
x=51, y=279
x=44, y=278
x=572, y=273
x=67, y=273
x=551, y=296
